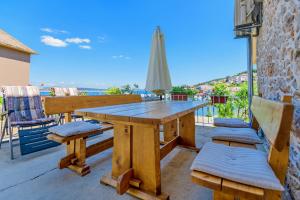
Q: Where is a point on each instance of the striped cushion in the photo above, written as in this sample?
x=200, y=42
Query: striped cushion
x=73, y=92
x=20, y=91
x=228, y=122
x=61, y=92
x=243, y=135
x=25, y=108
x=74, y=128
x=243, y=165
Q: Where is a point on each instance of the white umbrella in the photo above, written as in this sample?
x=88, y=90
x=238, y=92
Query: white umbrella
x=158, y=78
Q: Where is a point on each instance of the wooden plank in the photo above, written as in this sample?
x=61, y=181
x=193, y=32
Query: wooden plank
x=170, y=130
x=121, y=160
x=219, y=195
x=123, y=181
x=107, y=180
x=187, y=130
x=167, y=148
x=99, y=147
x=146, y=157
x=66, y=161
x=80, y=151
x=274, y=118
x=206, y=180
x=242, y=190
x=146, y=112
x=68, y=117
x=271, y=194
x=56, y=105
x=279, y=161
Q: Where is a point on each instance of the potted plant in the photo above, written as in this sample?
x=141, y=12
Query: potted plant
x=181, y=93
x=220, y=94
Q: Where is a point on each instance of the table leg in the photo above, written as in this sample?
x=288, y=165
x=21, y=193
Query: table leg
x=187, y=130
x=136, y=150
x=146, y=157
x=121, y=160
x=170, y=130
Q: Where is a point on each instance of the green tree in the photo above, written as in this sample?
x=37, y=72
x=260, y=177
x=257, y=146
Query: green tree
x=241, y=101
x=221, y=89
x=113, y=90
x=126, y=89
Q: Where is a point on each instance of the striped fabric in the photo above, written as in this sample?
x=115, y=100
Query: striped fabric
x=243, y=165
x=61, y=92
x=73, y=92
x=228, y=122
x=24, y=105
x=20, y=91
x=243, y=135
x=74, y=128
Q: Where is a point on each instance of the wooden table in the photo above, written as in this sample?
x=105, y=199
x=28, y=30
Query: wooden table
x=137, y=147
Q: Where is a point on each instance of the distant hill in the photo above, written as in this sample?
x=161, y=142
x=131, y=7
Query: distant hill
x=237, y=78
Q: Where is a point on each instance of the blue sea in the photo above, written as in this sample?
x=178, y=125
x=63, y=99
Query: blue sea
x=97, y=92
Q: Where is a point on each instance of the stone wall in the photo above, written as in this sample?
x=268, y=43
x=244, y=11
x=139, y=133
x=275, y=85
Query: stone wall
x=278, y=69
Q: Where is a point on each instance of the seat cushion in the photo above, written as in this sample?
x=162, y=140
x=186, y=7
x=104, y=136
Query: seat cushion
x=243, y=165
x=74, y=128
x=242, y=135
x=228, y=122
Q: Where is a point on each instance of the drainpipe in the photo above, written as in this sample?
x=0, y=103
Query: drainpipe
x=250, y=75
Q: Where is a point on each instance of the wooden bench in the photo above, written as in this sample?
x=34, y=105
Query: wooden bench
x=255, y=125
x=77, y=152
x=275, y=120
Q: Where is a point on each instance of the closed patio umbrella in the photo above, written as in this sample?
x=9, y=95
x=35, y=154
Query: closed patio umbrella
x=158, y=78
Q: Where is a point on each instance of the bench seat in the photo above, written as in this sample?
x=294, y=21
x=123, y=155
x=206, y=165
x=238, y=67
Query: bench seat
x=241, y=135
x=241, y=165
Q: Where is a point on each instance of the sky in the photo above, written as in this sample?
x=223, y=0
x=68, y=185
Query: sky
x=105, y=43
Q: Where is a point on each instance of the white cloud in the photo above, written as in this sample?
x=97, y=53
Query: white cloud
x=54, y=42
x=85, y=47
x=78, y=40
x=50, y=30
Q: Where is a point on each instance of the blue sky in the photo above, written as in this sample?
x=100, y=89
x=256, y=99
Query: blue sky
x=103, y=43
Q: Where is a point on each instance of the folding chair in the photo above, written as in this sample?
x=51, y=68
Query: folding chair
x=22, y=109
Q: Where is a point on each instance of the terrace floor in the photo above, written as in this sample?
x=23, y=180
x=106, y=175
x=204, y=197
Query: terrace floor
x=36, y=176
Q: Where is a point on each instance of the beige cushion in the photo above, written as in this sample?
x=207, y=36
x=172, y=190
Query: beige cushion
x=74, y=128
x=228, y=122
x=243, y=165
x=242, y=135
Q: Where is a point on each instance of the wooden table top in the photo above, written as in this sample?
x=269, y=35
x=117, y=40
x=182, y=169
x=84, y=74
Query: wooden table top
x=156, y=112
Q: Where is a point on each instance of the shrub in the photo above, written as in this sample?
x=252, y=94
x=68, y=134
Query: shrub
x=113, y=91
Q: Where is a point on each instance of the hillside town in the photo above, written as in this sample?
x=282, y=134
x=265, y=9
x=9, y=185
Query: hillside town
x=233, y=82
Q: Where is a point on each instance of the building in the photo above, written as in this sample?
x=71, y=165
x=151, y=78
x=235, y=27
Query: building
x=14, y=61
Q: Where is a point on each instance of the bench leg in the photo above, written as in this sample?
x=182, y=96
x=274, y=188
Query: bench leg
x=76, y=156
x=219, y=195
x=274, y=195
